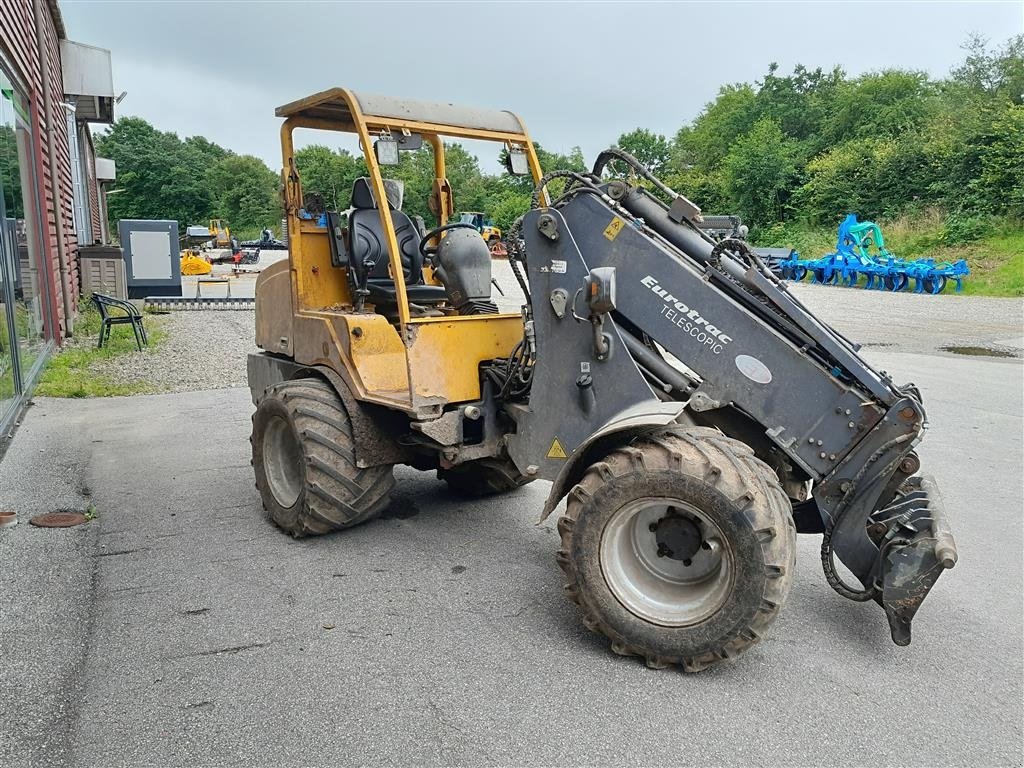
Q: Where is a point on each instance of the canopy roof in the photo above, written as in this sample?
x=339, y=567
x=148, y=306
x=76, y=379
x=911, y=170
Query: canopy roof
x=333, y=105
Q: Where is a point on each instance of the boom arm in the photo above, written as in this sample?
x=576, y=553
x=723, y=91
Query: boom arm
x=755, y=360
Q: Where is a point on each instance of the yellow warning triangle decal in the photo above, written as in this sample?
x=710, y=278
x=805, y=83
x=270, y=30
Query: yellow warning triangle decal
x=556, y=451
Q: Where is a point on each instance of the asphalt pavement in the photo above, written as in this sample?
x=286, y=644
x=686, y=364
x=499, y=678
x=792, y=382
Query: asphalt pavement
x=181, y=628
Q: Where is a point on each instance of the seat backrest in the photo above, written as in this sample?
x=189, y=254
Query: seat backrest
x=105, y=303
x=368, y=248
x=97, y=299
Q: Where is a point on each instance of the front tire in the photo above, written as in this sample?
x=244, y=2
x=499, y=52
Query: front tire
x=304, y=458
x=679, y=548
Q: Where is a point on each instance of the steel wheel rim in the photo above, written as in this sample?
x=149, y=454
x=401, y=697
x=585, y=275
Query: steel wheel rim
x=282, y=461
x=663, y=590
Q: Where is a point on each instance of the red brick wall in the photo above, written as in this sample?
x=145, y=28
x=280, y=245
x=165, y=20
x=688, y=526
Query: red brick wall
x=18, y=44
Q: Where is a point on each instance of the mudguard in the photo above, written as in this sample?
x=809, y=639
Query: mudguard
x=620, y=430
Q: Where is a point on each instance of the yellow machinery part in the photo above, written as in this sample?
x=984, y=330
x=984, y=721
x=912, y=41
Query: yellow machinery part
x=194, y=265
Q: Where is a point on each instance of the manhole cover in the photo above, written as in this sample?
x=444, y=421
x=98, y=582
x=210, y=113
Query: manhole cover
x=58, y=519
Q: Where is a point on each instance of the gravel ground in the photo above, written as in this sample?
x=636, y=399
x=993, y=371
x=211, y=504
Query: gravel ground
x=207, y=350
x=203, y=350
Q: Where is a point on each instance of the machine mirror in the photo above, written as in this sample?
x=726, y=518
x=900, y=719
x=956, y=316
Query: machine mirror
x=386, y=151
x=410, y=142
x=600, y=290
x=519, y=165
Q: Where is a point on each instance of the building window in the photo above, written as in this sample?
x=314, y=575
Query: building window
x=22, y=294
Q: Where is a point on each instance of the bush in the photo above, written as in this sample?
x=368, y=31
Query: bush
x=963, y=228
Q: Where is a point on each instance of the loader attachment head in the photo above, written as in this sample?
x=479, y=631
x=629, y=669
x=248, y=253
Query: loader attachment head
x=914, y=549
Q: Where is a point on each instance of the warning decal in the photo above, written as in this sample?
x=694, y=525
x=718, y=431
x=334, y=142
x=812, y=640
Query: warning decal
x=556, y=451
x=613, y=229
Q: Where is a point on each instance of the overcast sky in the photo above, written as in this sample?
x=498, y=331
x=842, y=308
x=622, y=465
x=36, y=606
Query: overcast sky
x=578, y=73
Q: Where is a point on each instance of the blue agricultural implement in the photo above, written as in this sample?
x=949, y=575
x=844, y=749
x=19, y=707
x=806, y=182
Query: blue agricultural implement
x=861, y=252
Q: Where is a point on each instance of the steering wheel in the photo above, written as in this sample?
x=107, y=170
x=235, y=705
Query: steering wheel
x=428, y=251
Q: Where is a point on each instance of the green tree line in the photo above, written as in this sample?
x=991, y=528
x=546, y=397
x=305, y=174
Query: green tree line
x=192, y=180
x=803, y=148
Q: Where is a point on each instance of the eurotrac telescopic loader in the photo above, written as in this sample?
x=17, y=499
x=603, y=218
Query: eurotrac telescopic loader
x=692, y=412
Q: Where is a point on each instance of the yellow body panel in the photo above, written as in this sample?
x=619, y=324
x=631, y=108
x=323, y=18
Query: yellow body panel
x=377, y=354
x=445, y=355
x=319, y=284
x=274, y=310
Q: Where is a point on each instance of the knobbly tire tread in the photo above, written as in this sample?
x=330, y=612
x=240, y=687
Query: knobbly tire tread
x=483, y=477
x=729, y=466
x=337, y=494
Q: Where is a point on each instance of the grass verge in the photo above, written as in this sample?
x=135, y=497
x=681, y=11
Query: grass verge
x=993, y=248
x=70, y=371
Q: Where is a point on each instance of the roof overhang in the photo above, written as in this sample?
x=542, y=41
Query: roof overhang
x=341, y=106
x=88, y=80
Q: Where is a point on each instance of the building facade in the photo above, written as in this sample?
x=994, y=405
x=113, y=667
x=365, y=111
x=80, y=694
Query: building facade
x=51, y=89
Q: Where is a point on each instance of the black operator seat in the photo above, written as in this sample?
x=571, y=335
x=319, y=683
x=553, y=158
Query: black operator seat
x=370, y=251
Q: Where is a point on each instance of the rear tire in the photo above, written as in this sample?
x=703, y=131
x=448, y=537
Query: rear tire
x=896, y=283
x=304, y=458
x=483, y=477
x=669, y=610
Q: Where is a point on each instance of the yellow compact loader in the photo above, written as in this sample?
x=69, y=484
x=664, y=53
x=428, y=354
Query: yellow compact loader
x=691, y=412
x=221, y=234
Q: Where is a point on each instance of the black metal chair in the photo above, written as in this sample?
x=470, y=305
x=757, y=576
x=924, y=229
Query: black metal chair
x=132, y=316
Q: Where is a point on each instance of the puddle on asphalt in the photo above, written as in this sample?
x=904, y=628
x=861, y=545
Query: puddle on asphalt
x=980, y=351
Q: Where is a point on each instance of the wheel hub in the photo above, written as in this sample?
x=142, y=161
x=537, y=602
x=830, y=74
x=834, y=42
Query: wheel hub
x=666, y=561
x=677, y=537
x=282, y=462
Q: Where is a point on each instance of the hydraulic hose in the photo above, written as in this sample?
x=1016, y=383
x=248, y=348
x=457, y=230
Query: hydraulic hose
x=515, y=239
x=614, y=153
x=827, y=562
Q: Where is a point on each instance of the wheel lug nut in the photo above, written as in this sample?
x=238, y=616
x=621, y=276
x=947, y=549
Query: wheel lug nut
x=652, y=527
x=687, y=563
x=704, y=545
